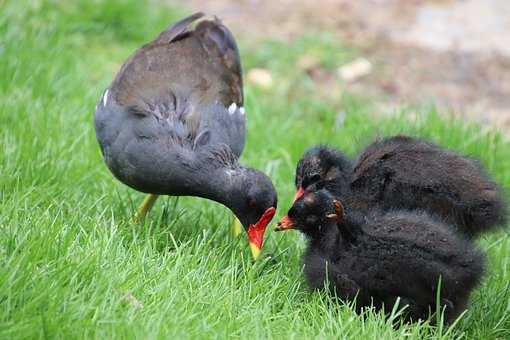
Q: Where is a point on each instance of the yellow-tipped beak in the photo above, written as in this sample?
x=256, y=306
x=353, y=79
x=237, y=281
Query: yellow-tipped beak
x=255, y=251
x=256, y=231
x=237, y=227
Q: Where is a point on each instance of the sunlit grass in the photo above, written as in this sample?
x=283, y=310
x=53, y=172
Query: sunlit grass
x=73, y=265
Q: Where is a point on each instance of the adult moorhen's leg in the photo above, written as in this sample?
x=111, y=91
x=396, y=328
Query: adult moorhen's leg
x=145, y=207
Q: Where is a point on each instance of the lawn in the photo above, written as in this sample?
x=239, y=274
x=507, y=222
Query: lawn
x=73, y=265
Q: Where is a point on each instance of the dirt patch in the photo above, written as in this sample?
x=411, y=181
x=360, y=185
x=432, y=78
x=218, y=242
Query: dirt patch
x=454, y=53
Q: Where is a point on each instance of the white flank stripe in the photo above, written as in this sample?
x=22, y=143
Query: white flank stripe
x=105, y=97
x=232, y=108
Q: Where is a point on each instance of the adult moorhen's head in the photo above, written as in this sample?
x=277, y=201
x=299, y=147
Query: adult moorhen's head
x=254, y=202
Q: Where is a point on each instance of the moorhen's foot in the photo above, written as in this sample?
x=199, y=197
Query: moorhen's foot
x=145, y=207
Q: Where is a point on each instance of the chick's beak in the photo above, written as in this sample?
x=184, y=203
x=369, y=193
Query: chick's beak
x=256, y=231
x=299, y=193
x=285, y=223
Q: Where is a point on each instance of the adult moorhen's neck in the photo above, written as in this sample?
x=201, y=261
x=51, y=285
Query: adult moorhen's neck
x=222, y=184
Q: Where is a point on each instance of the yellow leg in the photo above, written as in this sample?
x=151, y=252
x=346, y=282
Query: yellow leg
x=144, y=208
x=237, y=227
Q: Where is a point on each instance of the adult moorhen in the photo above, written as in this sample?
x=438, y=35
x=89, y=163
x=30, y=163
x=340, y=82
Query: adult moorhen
x=173, y=123
x=379, y=258
x=403, y=172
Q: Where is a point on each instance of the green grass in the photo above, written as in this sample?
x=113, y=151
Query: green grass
x=73, y=266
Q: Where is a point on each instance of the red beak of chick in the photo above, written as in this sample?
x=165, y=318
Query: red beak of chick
x=285, y=223
x=299, y=193
x=256, y=231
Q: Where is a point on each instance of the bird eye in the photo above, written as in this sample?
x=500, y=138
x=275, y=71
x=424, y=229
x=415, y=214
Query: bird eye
x=311, y=179
x=315, y=178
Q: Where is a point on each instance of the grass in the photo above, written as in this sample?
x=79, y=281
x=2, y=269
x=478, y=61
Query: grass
x=72, y=265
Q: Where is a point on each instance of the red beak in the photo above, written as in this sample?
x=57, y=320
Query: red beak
x=299, y=193
x=285, y=223
x=256, y=231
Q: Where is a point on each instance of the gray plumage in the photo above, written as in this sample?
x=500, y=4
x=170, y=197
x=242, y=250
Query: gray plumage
x=172, y=122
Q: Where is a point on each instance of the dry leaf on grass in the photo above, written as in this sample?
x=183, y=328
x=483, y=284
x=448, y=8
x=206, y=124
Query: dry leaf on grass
x=260, y=77
x=354, y=70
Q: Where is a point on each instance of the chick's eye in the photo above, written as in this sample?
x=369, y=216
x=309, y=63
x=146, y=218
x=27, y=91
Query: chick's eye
x=311, y=179
x=315, y=178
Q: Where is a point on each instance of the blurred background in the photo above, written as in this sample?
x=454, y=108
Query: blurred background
x=454, y=54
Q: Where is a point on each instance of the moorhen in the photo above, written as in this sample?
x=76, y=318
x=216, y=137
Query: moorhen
x=173, y=123
x=403, y=172
x=322, y=163
x=378, y=258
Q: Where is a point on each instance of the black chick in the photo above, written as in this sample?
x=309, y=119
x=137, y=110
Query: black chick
x=323, y=163
x=403, y=172
x=378, y=258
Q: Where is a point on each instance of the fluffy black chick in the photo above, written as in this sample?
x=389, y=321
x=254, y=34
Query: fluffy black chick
x=403, y=172
x=382, y=257
x=322, y=163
